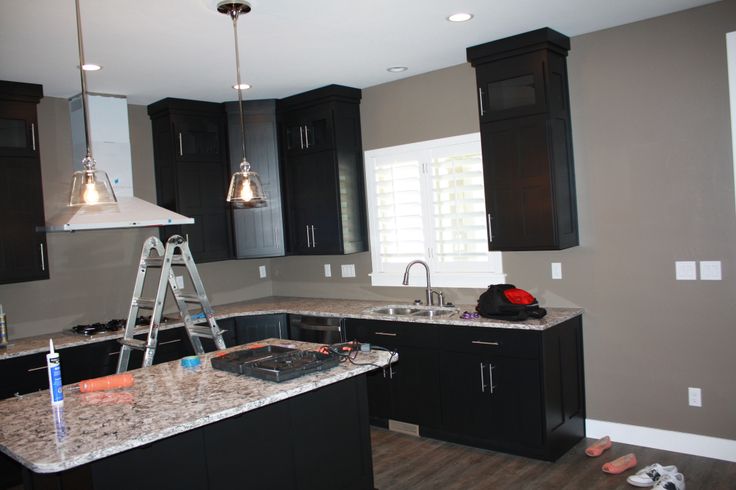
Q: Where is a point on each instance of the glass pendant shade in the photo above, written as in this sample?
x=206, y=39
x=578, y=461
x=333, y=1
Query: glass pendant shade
x=91, y=186
x=246, y=190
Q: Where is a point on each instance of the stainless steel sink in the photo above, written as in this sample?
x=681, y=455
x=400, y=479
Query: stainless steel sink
x=416, y=311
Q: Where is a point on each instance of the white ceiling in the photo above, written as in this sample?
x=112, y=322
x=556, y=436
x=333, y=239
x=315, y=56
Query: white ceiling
x=152, y=49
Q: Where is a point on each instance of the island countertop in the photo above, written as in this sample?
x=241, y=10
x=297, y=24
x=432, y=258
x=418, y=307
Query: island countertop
x=166, y=399
x=342, y=308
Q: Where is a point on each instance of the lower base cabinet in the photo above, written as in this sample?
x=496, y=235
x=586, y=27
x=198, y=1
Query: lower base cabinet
x=317, y=440
x=511, y=390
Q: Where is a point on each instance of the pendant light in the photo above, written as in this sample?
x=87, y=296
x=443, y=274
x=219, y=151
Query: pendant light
x=89, y=186
x=245, y=189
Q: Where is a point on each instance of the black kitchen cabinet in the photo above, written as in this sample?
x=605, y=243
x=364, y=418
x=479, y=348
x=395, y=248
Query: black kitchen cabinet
x=407, y=390
x=190, y=146
x=323, y=171
x=526, y=138
x=23, y=250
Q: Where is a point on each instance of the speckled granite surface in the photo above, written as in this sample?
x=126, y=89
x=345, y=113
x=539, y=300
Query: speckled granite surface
x=165, y=400
x=346, y=308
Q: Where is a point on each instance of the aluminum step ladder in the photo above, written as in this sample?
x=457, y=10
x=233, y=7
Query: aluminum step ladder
x=154, y=255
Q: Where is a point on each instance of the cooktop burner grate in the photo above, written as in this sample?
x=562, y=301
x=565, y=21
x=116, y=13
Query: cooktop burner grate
x=111, y=326
x=275, y=363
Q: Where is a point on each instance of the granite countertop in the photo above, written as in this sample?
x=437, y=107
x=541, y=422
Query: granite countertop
x=165, y=400
x=343, y=308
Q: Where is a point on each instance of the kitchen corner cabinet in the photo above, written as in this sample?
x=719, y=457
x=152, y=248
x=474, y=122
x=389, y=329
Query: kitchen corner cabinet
x=259, y=232
x=518, y=391
x=322, y=165
x=526, y=140
x=192, y=173
x=23, y=251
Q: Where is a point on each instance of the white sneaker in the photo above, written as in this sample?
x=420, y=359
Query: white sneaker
x=672, y=481
x=650, y=475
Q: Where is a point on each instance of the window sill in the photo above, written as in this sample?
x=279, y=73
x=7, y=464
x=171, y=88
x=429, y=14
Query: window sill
x=439, y=279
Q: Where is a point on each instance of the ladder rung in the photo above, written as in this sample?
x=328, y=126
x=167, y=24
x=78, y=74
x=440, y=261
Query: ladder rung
x=200, y=332
x=159, y=261
x=189, y=297
x=134, y=343
x=144, y=303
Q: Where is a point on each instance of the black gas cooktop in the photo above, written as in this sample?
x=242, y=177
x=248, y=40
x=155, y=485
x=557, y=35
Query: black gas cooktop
x=275, y=363
x=111, y=326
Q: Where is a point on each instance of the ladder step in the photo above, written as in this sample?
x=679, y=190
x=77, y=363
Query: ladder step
x=144, y=303
x=134, y=343
x=189, y=297
x=159, y=261
x=200, y=332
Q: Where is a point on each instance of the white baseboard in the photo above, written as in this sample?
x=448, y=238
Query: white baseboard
x=668, y=440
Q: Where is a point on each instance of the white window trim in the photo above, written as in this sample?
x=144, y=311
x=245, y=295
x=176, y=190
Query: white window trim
x=731, y=60
x=417, y=277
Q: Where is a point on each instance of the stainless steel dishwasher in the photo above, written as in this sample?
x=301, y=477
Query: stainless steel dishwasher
x=317, y=329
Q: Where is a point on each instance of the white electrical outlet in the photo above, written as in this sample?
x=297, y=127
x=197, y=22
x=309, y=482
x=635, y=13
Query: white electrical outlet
x=694, y=397
x=685, y=270
x=556, y=270
x=180, y=282
x=348, y=270
x=262, y=271
x=328, y=270
x=710, y=270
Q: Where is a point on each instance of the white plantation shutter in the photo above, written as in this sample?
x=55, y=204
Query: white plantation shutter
x=426, y=201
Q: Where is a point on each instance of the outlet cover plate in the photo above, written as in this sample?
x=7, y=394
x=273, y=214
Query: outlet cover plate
x=328, y=270
x=556, y=270
x=710, y=270
x=348, y=270
x=685, y=270
x=262, y=271
x=694, y=397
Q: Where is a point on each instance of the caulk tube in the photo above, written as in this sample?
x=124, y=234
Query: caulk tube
x=53, y=364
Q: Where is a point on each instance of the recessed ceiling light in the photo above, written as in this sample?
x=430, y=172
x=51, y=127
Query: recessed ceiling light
x=396, y=69
x=460, y=17
x=91, y=67
x=242, y=86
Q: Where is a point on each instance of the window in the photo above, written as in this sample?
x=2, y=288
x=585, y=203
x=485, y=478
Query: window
x=427, y=201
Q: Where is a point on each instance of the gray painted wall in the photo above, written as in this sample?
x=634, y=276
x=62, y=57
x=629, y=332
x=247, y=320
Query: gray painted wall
x=655, y=185
x=654, y=171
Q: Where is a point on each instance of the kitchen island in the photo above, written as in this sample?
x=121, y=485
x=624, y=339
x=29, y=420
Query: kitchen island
x=199, y=428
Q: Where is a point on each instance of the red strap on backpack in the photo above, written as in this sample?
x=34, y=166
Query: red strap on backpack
x=518, y=296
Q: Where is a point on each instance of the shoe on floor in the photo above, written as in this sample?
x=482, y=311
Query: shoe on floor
x=671, y=481
x=650, y=475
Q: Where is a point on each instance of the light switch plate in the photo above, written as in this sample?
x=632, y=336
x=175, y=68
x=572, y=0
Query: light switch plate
x=694, y=397
x=262, y=271
x=328, y=270
x=710, y=270
x=180, y=282
x=685, y=270
x=348, y=270
x=556, y=270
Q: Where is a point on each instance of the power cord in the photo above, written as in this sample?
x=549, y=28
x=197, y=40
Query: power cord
x=349, y=351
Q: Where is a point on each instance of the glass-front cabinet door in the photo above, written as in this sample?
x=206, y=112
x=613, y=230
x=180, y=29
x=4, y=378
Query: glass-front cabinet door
x=18, y=129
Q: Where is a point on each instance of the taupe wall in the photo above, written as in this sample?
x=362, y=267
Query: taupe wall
x=92, y=272
x=655, y=184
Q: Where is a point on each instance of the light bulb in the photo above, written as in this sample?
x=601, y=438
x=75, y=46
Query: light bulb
x=90, y=196
x=246, y=193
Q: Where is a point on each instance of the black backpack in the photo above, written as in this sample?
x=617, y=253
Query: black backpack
x=507, y=302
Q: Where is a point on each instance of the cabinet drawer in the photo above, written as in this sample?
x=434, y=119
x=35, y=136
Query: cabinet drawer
x=495, y=341
x=392, y=333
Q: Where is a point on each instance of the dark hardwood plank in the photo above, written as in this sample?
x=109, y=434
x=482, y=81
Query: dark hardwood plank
x=406, y=462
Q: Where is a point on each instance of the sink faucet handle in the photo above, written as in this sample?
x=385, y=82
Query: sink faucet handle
x=440, y=297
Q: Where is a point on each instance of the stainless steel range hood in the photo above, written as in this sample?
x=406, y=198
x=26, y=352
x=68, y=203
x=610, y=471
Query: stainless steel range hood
x=108, y=116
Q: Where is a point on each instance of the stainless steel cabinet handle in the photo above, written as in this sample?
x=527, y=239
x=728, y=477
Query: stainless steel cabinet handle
x=309, y=243
x=480, y=98
x=386, y=334
x=33, y=136
x=181, y=146
x=301, y=137
x=482, y=380
x=483, y=342
x=306, y=135
x=490, y=377
x=30, y=370
x=169, y=342
x=490, y=231
x=43, y=259
x=314, y=242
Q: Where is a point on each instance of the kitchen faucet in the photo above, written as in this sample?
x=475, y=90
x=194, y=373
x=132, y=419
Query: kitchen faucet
x=430, y=298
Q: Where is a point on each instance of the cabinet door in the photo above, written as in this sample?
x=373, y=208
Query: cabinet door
x=23, y=253
x=308, y=130
x=198, y=138
x=517, y=174
x=415, y=391
x=18, y=129
x=313, y=203
x=24, y=374
x=496, y=399
x=88, y=361
x=259, y=327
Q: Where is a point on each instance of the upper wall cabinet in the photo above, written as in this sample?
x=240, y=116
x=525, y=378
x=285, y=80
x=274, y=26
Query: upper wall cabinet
x=259, y=232
x=23, y=255
x=192, y=173
x=322, y=161
x=526, y=138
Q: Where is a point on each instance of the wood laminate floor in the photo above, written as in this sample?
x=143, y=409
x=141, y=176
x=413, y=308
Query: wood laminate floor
x=402, y=462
